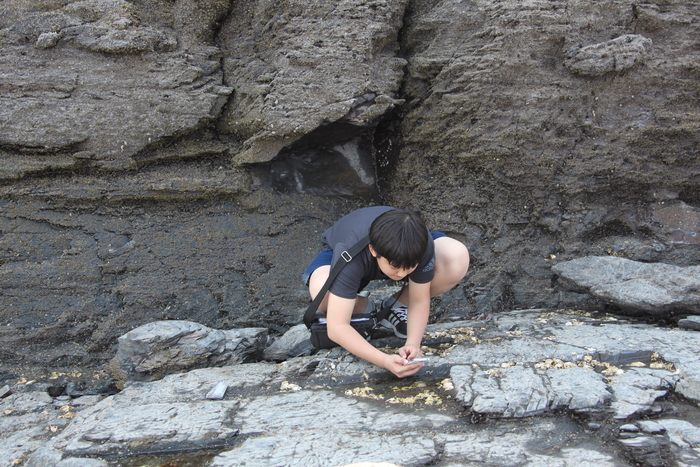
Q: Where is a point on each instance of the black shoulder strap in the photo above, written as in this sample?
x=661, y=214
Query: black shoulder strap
x=346, y=256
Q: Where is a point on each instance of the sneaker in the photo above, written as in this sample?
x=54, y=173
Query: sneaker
x=396, y=319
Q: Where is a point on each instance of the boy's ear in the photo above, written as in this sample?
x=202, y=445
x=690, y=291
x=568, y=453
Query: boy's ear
x=373, y=251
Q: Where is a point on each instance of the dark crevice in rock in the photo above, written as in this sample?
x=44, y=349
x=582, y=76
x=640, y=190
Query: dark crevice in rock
x=608, y=229
x=334, y=159
x=387, y=147
x=690, y=195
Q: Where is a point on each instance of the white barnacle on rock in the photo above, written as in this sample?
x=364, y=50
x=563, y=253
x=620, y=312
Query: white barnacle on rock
x=287, y=386
x=47, y=40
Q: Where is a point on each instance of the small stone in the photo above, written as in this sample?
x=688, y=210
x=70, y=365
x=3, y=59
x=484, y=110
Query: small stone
x=48, y=40
x=218, y=392
x=55, y=391
x=691, y=322
x=629, y=428
x=5, y=391
x=651, y=427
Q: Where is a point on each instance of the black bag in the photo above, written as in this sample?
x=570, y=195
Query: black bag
x=364, y=323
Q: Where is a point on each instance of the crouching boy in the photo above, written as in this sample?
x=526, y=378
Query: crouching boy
x=400, y=246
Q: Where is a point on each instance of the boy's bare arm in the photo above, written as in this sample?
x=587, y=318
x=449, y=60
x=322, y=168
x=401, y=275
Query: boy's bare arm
x=418, y=313
x=341, y=332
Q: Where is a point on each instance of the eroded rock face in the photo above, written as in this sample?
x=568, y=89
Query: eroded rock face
x=178, y=160
x=526, y=159
x=658, y=290
x=99, y=87
x=298, y=65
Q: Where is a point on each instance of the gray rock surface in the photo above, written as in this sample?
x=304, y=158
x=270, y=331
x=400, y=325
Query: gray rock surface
x=518, y=392
x=618, y=54
x=530, y=388
x=160, y=348
x=691, y=322
x=654, y=289
x=281, y=349
x=130, y=131
x=345, y=66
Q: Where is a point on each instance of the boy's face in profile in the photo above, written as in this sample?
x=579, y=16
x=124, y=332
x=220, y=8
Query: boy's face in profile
x=390, y=271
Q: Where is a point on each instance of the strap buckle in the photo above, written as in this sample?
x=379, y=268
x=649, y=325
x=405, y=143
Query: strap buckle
x=346, y=256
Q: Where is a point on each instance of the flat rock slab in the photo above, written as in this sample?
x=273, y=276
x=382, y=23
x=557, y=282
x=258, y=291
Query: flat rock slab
x=522, y=370
x=654, y=289
x=159, y=348
x=289, y=425
x=518, y=392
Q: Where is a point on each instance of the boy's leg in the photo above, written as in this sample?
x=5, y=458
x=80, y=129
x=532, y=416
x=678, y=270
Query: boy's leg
x=318, y=279
x=451, y=265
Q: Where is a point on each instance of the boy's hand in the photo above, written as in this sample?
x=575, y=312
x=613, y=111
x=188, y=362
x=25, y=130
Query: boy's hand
x=396, y=364
x=409, y=352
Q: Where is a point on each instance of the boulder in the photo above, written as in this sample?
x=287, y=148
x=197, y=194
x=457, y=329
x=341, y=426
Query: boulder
x=160, y=348
x=691, y=322
x=653, y=289
x=282, y=348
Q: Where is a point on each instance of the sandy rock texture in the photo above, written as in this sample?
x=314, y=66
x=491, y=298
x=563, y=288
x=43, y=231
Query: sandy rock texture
x=552, y=130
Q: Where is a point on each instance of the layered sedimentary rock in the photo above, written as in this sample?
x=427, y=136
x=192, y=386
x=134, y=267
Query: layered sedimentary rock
x=178, y=160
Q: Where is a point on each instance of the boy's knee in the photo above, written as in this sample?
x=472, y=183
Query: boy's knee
x=454, y=259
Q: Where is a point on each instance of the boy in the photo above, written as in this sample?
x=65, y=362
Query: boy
x=400, y=246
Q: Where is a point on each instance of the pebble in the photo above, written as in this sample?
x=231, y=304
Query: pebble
x=691, y=323
x=629, y=428
x=651, y=427
x=218, y=392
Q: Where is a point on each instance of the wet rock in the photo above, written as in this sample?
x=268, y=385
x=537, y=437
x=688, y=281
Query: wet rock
x=691, y=322
x=525, y=392
x=282, y=348
x=647, y=451
x=30, y=417
x=637, y=288
x=651, y=427
x=526, y=365
x=681, y=432
x=156, y=349
x=629, y=428
x=637, y=389
x=614, y=55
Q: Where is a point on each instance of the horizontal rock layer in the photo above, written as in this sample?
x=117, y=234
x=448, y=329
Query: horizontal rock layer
x=178, y=160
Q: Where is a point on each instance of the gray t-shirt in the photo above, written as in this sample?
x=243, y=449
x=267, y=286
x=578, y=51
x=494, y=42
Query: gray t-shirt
x=352, y=228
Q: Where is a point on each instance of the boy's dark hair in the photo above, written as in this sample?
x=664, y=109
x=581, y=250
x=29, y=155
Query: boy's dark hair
x=399, y=236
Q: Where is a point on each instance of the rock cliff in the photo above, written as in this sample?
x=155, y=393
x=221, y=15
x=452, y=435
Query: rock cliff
x=178, y=160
